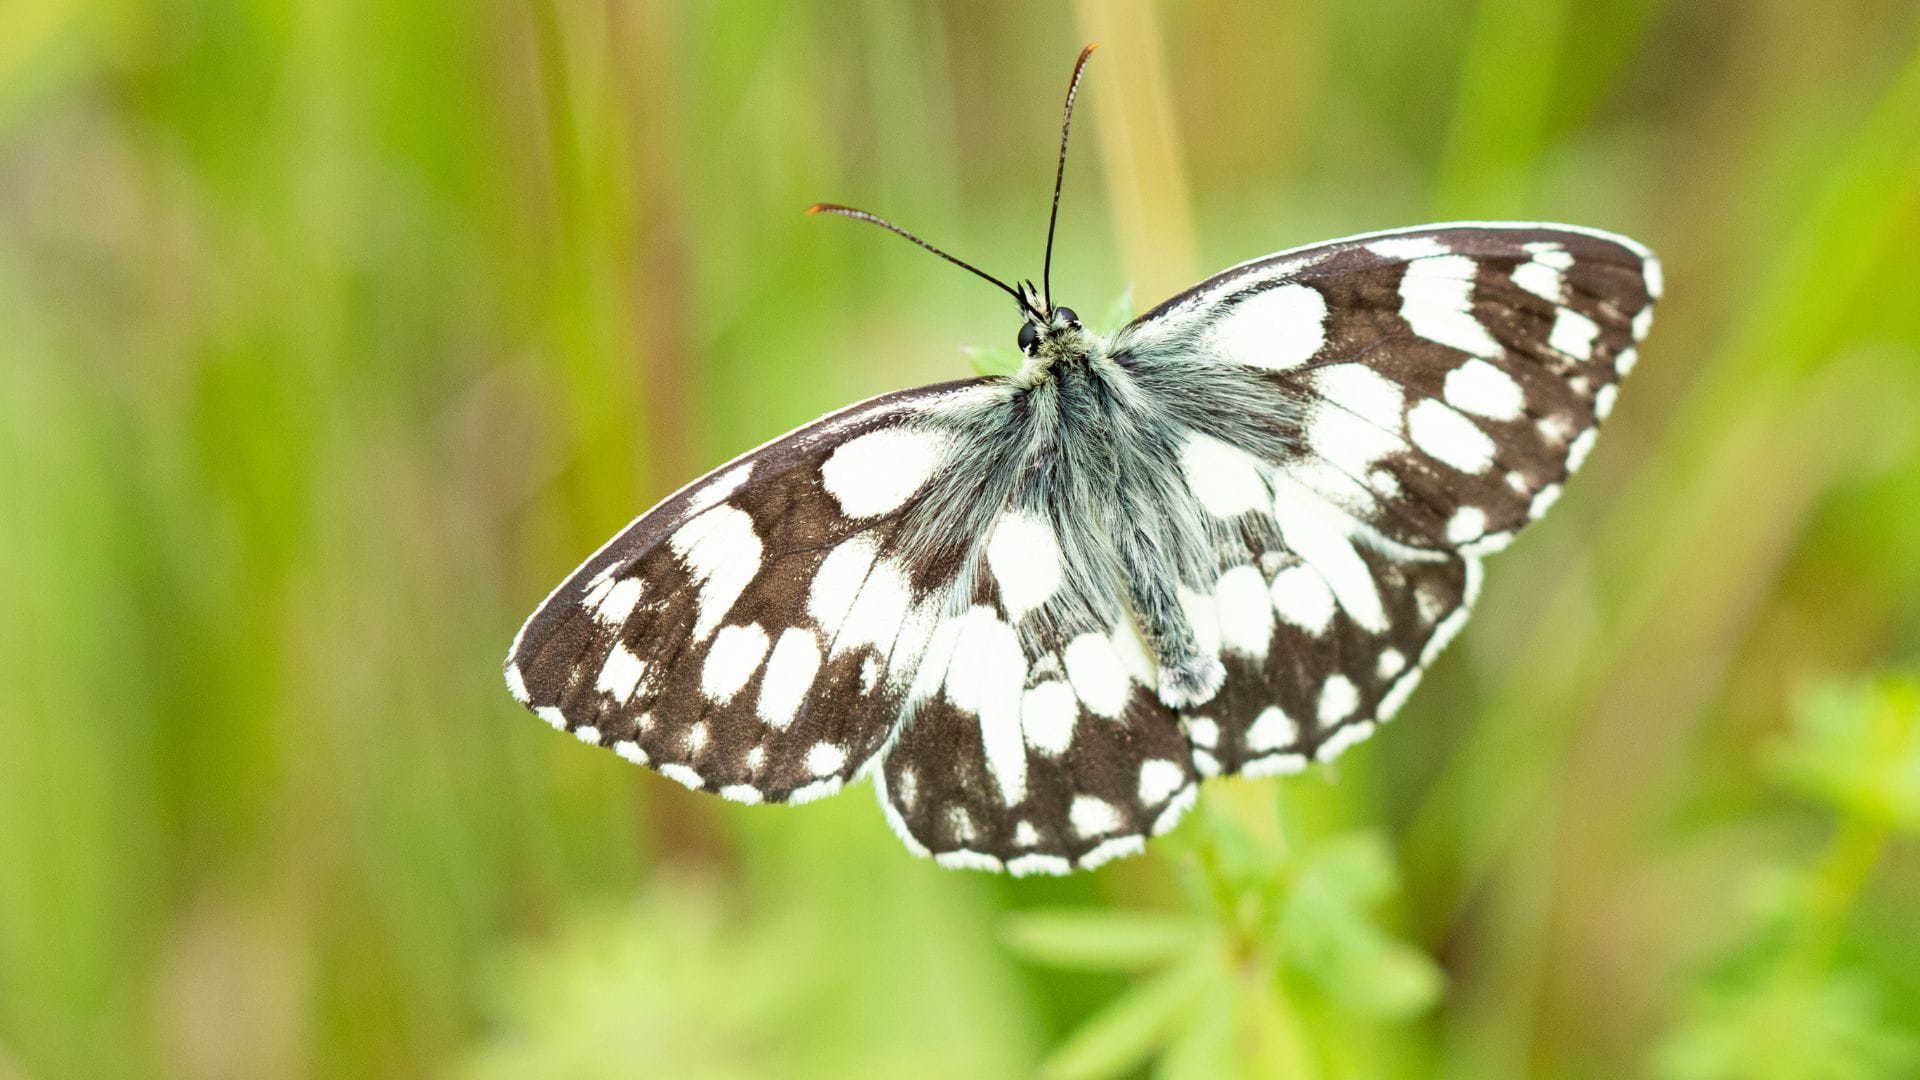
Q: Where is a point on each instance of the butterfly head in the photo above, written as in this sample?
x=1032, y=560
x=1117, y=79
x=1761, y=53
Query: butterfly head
x=1044, y=330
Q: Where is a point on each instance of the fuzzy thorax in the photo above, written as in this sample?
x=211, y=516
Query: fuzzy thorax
x=1075, y=442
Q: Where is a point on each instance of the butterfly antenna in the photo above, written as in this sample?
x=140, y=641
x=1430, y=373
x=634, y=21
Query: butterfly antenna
x=1060, y=172
x=862, y=215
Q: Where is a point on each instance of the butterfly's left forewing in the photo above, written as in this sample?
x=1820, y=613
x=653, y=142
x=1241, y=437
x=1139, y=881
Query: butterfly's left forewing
x=753, y=634
x=1429, y=391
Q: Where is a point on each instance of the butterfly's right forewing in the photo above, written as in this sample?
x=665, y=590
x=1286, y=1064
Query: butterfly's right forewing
x=1449, y=378
x=1426, y=393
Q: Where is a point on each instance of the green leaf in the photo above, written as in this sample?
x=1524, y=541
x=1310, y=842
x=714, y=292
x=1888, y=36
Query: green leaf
x=1789, y=1027
x=1118, y=314
x=1857, y=747
x=1132, y=1026
x=1094, y=939
x=1326, y=932
x=1203, y=1048
x=993, y=359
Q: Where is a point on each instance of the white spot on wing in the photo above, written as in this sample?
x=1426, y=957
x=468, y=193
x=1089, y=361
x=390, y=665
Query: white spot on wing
x=790, y=672
x=1338, y=698
x=1392, y=662
x=1108, y=850
x=1449, y=436
x=517, y=684
x=1275, y=765
x=877, y=613
x=719, y=489
x=1203, y=617
x=916, y=630
x=1320, y=537
x=1541, y=279
x=1481, y=388
x=1467, y=523
x=1350, y=442
x=1363, y=391
x=1278, y=328
x=1573, y=334
x=1407, y=247
x=617, y=602
x=1544, y=500
x=1133, y=652
x=741, y=793
x=1225, y=478
x=681, y=774
x=1302, y=598
x=1245, y=613
x=630, y=750
x=1359, y=421
x=1338, y=742
x=826, y=759
x=1159, y=778
x=621, y=674
x=960, y=824
x=1603, y=401
x=1202, y=731
x=1047, y=714
x=1436, y=299
x=1097, y=676
x=1025, y=560
x=1581, y=447
x=722, y=551
x=1176, y=809
x=1271, y=730
x=1396, y=697
x=1036, y=863
x=878, y=472
x=1092, y=816
x=984, y=677
x=731, y=661
x=837, y=582
x=819, y=789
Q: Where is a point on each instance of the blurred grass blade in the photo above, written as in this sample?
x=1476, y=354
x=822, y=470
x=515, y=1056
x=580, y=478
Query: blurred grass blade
x=1203, y=1047
x=1095, y=939
x=1115, y=1040
x=1502, y=109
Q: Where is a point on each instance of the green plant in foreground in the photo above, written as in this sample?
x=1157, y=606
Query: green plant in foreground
x=1273, y=940
x=1789, y=1001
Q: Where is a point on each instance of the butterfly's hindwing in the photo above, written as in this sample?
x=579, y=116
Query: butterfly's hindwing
x=1033, y=761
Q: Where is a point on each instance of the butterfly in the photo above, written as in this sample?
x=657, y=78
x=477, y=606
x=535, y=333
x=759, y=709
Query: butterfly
x=1038, y=609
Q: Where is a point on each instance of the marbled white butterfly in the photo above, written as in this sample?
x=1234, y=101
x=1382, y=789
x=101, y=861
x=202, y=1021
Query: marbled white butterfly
x=1037, y=609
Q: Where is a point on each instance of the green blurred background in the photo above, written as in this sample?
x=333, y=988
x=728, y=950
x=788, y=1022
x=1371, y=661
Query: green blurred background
x=333, y=334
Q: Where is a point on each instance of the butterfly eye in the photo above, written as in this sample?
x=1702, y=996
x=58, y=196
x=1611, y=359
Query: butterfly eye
x=1029, y=337
x=1067, y=314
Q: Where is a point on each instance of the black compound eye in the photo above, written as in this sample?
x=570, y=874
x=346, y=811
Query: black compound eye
x=1029, y=337
x=1067, y=314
